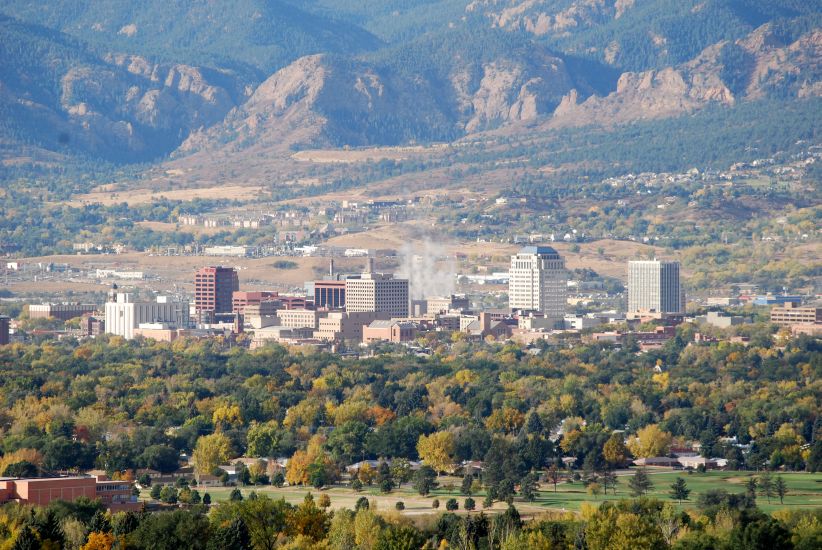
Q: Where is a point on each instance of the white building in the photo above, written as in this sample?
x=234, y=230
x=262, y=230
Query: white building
x=654, y=287
x=124, y=315
x=377, y=293
x=538, y=281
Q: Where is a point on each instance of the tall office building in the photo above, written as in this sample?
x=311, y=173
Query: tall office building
x=538, y=281
x=377, y=293
x=4, y=330
x=654, y=287
x=214, y=288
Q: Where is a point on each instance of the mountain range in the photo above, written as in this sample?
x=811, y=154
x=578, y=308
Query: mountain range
x=128, y=82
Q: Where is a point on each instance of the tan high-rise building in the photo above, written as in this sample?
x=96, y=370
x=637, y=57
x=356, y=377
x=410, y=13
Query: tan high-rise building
x=538, y=281
x=377, y=293
x=654, y=287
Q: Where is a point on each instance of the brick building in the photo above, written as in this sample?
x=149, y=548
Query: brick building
x=214, y=289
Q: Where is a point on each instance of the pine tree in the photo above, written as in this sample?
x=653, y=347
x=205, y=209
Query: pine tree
x=781, y=488
x=750, y=489
x=528, y=487
x=467, y=481
x=679, y=490
x=640, y=483
x=766, y=485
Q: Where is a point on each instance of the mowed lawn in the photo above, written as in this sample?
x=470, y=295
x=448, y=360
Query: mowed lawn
x=804, y=492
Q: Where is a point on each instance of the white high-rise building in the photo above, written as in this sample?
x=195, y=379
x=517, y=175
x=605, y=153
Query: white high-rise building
x=654, y=287
x=538, y=281
x=377, y=293
x=123, y=315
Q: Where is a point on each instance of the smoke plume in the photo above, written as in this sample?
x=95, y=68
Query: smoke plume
x=428, y=268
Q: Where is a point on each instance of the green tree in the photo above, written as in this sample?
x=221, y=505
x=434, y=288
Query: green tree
x=467, y=482
x=528, y=487
x=425, y=480
x=640, y=483
x=236, y=495
x=451, y=504
x=780, y=488
x=766, y=485
x=679, y=490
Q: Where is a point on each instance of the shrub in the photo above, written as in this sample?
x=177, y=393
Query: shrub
x=400, y=505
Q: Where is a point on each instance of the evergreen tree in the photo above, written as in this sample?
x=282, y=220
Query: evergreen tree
x=640, y=483
x=26, y=540
x=206, y=499
x=781, y=488
x=425, y=480
x=99, y=523
x=679, y=490
x=766, y=485
x=467, y=482
x=528, y=487
x=236, y=495
x=750, y=489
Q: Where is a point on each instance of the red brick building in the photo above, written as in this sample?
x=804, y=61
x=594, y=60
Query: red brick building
x=241, y=299
x=115, y=495
x=214, y=289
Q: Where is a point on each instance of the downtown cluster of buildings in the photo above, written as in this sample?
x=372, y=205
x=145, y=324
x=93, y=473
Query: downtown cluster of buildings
x=370, y=307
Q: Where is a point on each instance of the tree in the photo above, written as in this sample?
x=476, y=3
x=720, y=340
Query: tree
x=236, y=495
x=594, y=489
x=162, y=458
x=26, y=540
x=766, y=485
x=650, y=441
x=437, y=450
x=234, y=536
x=263, y=439
x=100, y=523
x=614, y=451
x=24, y=468
x=384, y=478
x=528, y=487
x=679, y=490
x=609, y=479
x=361, y=504
x=425, y=480
x=435, y=503
x=99, y=541
x=467, y=482
x=781, y=488
x=750, y=488
x=451, y=504
x=324, y=501
x=640, y=483
x=553, y=475
x=168, y=494
x=401, y=471
x=206, y=499
x=399, y=506
x=155, y=491
x=211, y=451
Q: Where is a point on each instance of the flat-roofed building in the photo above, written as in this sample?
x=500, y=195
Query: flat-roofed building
x=654, y=287
x=389, y=331
x=377, y=293
x=114, y=495
x=240, y=299
x=792, y=313
x=343, y=325
x=63, y=312
x=123, y=315
x=5, y=328
x=214, y=288
x=538, y=281
x=299, y=318
x=329, y=294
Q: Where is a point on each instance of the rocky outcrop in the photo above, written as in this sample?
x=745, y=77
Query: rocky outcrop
x=752, y=68
x=543, y=17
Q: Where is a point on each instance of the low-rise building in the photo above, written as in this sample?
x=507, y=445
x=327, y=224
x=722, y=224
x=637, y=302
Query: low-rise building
x=114, y=495
x=389, y=331
x=63, y=312
x=300, y=318
x=242, y=299
x=792, y=313
x=345, y=325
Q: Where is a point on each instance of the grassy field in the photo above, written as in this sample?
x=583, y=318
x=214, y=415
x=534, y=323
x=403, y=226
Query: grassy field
x=804, y=492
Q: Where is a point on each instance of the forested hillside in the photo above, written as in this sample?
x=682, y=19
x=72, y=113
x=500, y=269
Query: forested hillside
x=108, y=79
